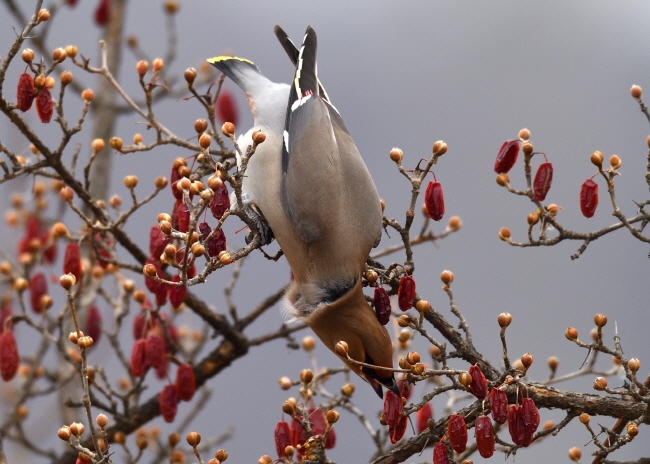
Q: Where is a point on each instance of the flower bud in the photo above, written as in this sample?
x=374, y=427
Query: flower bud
x=527, y=148
x=205, y=140
x=288, y=408
x=150, y=270
x=158, y=64
x=306, y=376
x=43, y=15
x=615, y=161
x=88, y=95
x=422, y=306
x=396, y=155
x=64, y=433
x=115, y=143
x=632, y=429
x=552, y=362
x=308, y=343
x=636, y=91
x=85, y=342
x=571, y=333
x=130, y=182
x=600, y=383
x=142, y=67
x=341, y=349
x=454, y=223
x=228, y=129
x=575, y=454
x=447, y=277
x=597, y=159
x=332, y=416
x=439, y=148
x=59, y=54
x=347, y=389
x=67, y=281
x=77, y=428
x=190, y=75
x=504, y=234
x=634, y=364
x=225, y=258
x=71, y=50
x=600, y=320
x=66, y=77
x=193, y=439
x=504, y=319
x=524, y=134
x=28, y=55
x=221, y=455
x=584, y=418
x=258, y=137
x=527, y=360
x=465, y=379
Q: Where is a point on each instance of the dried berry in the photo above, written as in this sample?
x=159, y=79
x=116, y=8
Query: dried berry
x=94, y=323
x=434, y=201
x=157, y=242
x=139, y=358
x=484, y=436
x=478, y=386
x=220, y=202
x=185, y=382
x=217, y=243
x=382, y=305
x=396, y=432
x=162, y=370
x=499, y=405
x=406, y=293
x=507, y=156
x=181, y=216
x=155, y=350
x=102, y=13
x=457, y=433
x=440, y=453
x=531, y=415
x=282, y=437
x=588, y=198
x=44, y=105
x=542, y=182
x=25, y=92
x=9, y=358
x=424, y=414
x=72, y=261
x=516, y=426
x=227, y=108
x=393, y=408
x=168, y=402
x=177, y=294
x=37, y=289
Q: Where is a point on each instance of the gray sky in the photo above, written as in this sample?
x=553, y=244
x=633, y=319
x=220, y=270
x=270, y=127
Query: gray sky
x=407, y=74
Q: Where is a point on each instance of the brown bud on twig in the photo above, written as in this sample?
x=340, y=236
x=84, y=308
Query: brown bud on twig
x=341, y=348
x=584, y=418
x=575, y=454
x=190, y=75
x=632, y=429
x=615, y=161
x=64, y=433
x=306, y=376
x=571, y=333
x=130, y=182
x=142, y=67
x=447, y=277
x=454, y=223
x=71, y=50
x=597, y=159
x=193, y=439
x=634, y=364
x=396, y=155
x=524, y=134
x=636, y=91
x=600, y=383
x=600, y=320
x=59, y=54
x=504, y=319
x=228, y=129
x=205, y=140
x=28, y=55
x=504, y=234
x=43, y=15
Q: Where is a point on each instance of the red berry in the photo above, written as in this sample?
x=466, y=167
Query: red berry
x=168, y=402
x=37, y=289
x=9, y=358
x=102, y=13
x=499, y=405
x=396, y=432
x=220, y=202
x=163, y=369
x=484, y=436
x=424, y=414
x=457, y=433
x=216, y=244
x=440, y=453
x=157, y=242
x=155, y=350
x=25, y=92
x=181, y=216
x=94, y=323
x=282, y=437
x=227, y=108
x=516, y=426
x=478, y=387
x=72, y=261
x=507, y=156
x=531, y=415
x=588, y=198
x=44, y=105
x=382, y=305
x=139, y=358
x=185, y=382
x=177, y=294
x=434, y=201
x=393, y=408
x=406, y=293
x=542, y=182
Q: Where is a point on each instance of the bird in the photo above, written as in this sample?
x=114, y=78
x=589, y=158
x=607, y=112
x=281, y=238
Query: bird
x=316, y=194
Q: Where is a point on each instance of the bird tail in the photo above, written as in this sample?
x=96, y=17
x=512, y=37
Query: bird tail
x=240, y=70
x=305, y=81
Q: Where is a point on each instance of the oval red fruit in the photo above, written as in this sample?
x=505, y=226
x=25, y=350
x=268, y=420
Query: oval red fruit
x=185, y=382
x=139, y=358
x=507, y=156
x=499, y=405
x=94, y=324
x=155, y=350
x=181, y=216
x=102, y=13
x=168, y=402
x=282, y=437
x=227, y=108
x=424, y=414
x=434, y=201
x=220, y=202
x=162, y=370
x=396, y=432
x=37, y=289
x=531, y=415
x=457, y=433
x=516, y=426
x=157, y=242
x=382, y=305
x=440, y=453
x=393, y=408
x=72, y=261
x=485, y=438
x=588, y=198
x=177, y=294
x=25, y=92
x=44, y=105
x=478, y=387
x=542, y=182
x=406, y=293
x=9, y=357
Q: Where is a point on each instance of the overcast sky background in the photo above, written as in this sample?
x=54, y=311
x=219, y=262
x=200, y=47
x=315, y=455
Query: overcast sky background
x=407, y=74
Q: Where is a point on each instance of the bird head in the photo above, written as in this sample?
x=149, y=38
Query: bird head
x=352, y=320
